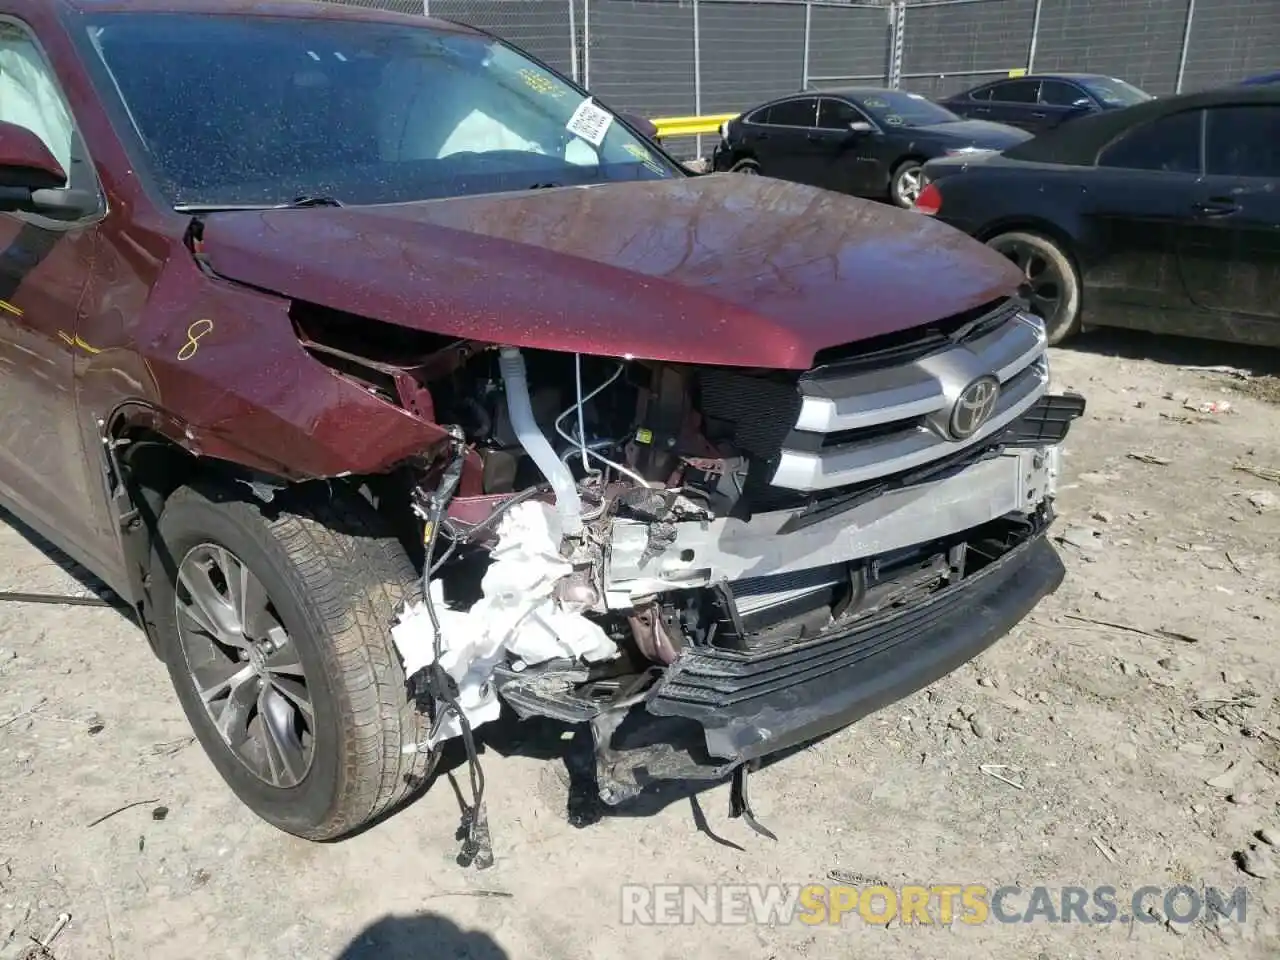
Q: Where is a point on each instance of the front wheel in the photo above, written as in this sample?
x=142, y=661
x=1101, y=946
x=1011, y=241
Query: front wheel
x=906, y=183
x=1052, y=277
x=275, y=629
x=749, y=167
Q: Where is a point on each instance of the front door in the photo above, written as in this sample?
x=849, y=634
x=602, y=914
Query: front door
x=1061, y=101
x=44, y=268
x=842, y=156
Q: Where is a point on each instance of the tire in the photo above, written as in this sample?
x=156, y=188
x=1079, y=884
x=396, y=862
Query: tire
x=749, y=167
x=334, y=580
x=1054, y=280
x=904, y=184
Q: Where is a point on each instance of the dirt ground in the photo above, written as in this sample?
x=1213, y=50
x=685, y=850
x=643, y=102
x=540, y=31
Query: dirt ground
x=1109, y=732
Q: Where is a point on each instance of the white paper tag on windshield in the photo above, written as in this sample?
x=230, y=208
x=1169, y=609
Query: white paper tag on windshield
x=590, y=122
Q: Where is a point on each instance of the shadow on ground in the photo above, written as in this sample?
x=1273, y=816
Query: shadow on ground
x=88, y=589
x=1177, y=351
x=573, y=747
x=425, y=936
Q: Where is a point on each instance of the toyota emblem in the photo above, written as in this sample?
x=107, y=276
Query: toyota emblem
x=973, y=407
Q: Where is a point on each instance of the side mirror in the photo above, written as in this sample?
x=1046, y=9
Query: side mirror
x=26, y=163
x=644, y=126
x=32, y=180
x=860, y=127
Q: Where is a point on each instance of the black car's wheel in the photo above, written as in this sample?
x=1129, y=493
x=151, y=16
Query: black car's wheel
x=1052, y=277
x=275, y=630
x=906, y=183
x=749, y=167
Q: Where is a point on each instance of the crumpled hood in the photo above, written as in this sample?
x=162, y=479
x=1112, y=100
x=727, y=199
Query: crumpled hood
x=721, y=269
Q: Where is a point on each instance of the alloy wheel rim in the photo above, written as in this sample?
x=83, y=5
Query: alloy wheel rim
x=909, y=186
x=748, y=169
x=1047, y=296
x=244, y=665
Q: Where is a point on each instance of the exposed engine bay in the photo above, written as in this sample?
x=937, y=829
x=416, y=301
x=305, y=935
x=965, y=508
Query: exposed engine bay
x=623, y=541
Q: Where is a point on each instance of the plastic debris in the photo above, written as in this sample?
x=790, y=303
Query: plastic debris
x=516, y=616
x=1210, y=406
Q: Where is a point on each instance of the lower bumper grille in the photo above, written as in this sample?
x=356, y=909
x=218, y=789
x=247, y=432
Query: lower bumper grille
x=752, y=705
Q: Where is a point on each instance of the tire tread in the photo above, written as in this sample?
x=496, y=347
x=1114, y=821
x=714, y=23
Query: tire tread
x=355, y=578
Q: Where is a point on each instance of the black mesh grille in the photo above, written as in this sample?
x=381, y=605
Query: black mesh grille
x=755, y=413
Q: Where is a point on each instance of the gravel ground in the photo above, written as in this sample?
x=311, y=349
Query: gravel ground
x=1134, y=714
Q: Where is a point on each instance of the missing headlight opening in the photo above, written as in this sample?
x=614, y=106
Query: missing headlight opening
x=708, y=564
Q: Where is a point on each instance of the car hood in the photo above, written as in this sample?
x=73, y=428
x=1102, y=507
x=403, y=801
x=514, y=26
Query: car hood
x=980, y=133
x=720, y=269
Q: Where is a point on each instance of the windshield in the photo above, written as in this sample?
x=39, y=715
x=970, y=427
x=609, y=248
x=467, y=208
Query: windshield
x=1116, y=93
x=897, y=108
x=260, y=111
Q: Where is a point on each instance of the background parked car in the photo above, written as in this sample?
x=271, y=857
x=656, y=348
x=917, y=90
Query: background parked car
x=1043, y=101
x=866, y=141
x=1164, y=216
x=1261, y=79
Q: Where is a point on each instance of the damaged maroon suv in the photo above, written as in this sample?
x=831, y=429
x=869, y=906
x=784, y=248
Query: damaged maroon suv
x=390, y=378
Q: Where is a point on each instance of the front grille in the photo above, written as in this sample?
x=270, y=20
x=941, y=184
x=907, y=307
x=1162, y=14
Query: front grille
x=858, y=424
x=754, y=413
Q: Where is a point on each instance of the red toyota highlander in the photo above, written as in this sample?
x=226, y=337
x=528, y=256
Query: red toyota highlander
x=391, y=378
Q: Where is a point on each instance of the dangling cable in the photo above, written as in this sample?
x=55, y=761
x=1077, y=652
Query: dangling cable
x=477, y=846
x=580, y=440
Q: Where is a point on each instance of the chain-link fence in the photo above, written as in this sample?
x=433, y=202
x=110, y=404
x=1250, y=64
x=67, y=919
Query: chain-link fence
x=693, y=57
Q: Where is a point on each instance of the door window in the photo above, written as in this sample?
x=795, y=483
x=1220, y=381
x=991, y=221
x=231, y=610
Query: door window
x=1170, y=144
x=29, y=94
x=794, y=113
x=983, y=94
x=1056, y=93
x=837, y=115
x=1016, y=91
x=1243, y=141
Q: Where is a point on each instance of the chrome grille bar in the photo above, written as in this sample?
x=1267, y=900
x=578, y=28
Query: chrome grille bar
x=919, y=395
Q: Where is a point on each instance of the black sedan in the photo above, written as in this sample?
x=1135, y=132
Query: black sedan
x=1165, y=216
x=1043, y=101
x=866, y=141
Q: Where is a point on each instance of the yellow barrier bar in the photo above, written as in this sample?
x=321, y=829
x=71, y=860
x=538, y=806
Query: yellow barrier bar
x=690, y=126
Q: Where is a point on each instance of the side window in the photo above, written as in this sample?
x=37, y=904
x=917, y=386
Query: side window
x=761, y=116
x=1243, y=141
x=1056, y=93
x=982, y=93
x=1016, y=91
x=837, y=115
x=795, y=113
x=1170, y=144
x=29, y=95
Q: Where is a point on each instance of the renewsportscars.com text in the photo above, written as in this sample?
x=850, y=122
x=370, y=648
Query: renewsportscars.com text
x=944, y=904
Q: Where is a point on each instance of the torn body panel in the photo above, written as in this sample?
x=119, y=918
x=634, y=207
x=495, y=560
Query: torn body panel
x=734, y=610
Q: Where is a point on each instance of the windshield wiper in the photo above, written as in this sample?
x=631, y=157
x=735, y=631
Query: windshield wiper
x=296, y=204
x=309, y=201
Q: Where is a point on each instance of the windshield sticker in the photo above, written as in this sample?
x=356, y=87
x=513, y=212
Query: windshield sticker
x=644, y=156
x=540, y=84
x=590, y=122
x=875, y=103
x=894, y=120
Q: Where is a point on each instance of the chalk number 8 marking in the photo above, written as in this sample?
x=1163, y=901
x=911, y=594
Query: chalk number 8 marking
x=195, y=332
